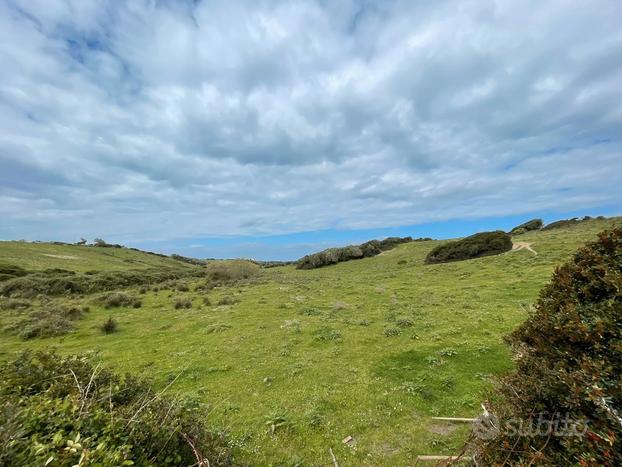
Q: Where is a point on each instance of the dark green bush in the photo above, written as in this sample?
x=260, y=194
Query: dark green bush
x=533, y=224
x=338, y=255
x=109, y=326
x=119, y=299
x=67, y=410
x=563, y=223
x=9, y=271
x=182, y=303
x=475, y=246
x=70, y=283
x=49, y=321
x=569, y=361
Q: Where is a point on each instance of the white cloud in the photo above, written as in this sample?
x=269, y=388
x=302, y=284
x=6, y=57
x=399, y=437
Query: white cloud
x=153, y=120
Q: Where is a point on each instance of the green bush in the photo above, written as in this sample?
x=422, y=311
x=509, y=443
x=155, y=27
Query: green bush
x=569, y=361
x=109, y=326
x=120, y=299
x=59, y=282
x=533, y=224
x=227, y=271
x=350, y=252
x=475, y=246
x=183, y=303
x=49, y=321
x=61, y=411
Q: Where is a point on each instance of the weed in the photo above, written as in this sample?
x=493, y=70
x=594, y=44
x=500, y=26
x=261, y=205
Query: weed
x=109, y=326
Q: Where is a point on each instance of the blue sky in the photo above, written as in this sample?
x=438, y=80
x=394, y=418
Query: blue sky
x=270, y=129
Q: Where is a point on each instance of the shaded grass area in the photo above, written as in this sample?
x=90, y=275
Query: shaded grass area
x=306, y=351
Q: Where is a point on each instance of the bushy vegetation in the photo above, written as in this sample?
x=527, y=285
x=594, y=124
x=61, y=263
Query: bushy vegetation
x=60, y=282
x=227, y=271
x=183, y=303
x=120, y=299
x=364, y=250
x=64, y=411
x=569, y=362
x=47, y=321
x=9, y=271
x=475, y=246
x=533, y=224
x=109, y=326
x=565, y=223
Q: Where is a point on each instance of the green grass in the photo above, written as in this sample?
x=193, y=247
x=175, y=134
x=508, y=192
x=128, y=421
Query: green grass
x=39, y=256
x=371, y=348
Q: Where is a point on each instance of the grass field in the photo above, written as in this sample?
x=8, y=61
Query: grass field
x=39, y=256
x=291, y=362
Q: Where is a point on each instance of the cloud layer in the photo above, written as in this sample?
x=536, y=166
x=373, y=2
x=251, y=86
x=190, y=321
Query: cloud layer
x=154, y=120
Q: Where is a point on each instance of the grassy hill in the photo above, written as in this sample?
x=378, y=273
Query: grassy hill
x=290, y=362
x=40, y=256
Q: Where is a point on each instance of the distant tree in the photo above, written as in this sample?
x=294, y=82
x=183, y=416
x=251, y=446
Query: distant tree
x=82, y=241
x=99, y=242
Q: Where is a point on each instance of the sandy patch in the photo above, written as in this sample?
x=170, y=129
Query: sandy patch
x=517, y=246
x=61, y=256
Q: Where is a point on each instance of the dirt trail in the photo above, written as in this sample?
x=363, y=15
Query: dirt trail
x=516, y=246
x=61, y=256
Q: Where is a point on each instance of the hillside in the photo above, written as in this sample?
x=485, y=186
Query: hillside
x=40, y=256
x=291, y=362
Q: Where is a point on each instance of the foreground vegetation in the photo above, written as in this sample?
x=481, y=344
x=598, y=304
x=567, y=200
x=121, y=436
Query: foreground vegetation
x=569, y=367
x=291, y=363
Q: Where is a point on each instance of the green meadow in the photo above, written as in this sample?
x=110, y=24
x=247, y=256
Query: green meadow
x=292, y=362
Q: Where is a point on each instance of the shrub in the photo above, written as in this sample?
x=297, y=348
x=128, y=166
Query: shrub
x=569, y=361
x=337, y=255
x=109, y=326
x=182, y=287
x=227, y=300
x=183, y=303
x=120, y=299
x=533, y=224
x=228, y=271
x=65, y=409
x=9, y=271
x=219, y=327
x=392, y=331
x=563, y=223
x=475, y=246
x=326, y=334
x=49, y=321
x=61, y=282
x=207, y=301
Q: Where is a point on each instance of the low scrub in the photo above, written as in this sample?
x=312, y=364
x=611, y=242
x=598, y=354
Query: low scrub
x=63, y=411
x=565, y=223
x=533, y=224
x=59, y=282
x=227, y=271
x=49, y=321
x=350, y=252
x=109, y=326
x=475, y=246
x=568, y=371
x=181, y=303
x=120, y=299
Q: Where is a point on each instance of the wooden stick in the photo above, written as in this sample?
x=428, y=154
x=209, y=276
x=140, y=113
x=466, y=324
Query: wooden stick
x=455, y=419
x=441, y=458
x=335, y=463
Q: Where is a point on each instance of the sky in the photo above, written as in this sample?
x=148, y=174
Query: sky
x=272, y=129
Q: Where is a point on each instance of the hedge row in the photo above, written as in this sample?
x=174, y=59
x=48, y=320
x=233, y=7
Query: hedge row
x=475, y=246
x=364, y=250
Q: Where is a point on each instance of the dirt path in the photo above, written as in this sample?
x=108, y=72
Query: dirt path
x=61, y=256
x=516, y=246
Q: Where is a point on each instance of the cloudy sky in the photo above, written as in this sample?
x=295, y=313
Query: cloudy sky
x=267, y=129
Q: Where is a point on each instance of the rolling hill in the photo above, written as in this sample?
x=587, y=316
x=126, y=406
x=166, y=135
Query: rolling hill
x=292, y=362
